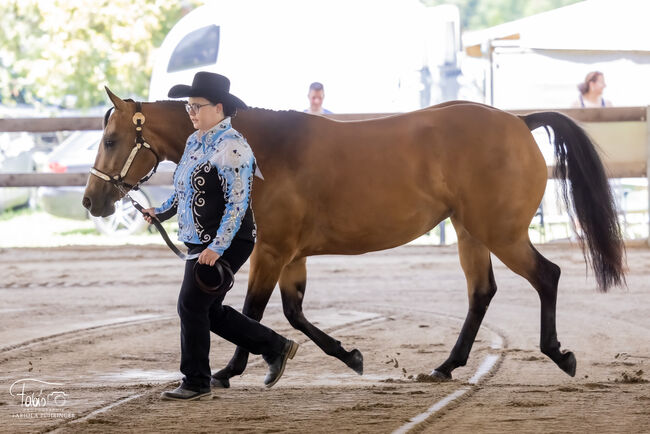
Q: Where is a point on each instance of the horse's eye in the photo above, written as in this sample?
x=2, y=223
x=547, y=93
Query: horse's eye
x=108, y=143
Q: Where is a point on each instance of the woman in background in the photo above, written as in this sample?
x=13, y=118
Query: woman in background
x=591, y=91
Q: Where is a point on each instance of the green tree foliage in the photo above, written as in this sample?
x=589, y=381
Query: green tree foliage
x=63, y=52
x=479, y=14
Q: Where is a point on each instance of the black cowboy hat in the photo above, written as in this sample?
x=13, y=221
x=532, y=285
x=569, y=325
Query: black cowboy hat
x=214, y=280
x=211, y=86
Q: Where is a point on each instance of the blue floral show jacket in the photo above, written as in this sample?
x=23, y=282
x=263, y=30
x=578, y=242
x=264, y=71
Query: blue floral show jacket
x=212, y=185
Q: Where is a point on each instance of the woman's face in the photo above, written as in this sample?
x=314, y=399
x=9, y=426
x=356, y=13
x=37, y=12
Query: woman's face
x=597, y=86
x=207, y=115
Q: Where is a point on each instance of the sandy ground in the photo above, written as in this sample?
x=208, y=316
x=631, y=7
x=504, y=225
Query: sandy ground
x=100, y=323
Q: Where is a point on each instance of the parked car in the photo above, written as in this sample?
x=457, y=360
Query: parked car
x=22, y=152
x=76, y=154
x=15, y=157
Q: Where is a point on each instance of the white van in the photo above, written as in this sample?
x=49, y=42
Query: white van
x=371, y=55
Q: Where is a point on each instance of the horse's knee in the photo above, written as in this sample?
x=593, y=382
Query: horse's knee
x=293, y=293
x=294, y=315
x=255, y=303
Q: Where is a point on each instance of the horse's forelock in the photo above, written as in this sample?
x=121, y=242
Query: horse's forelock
x=106, y=116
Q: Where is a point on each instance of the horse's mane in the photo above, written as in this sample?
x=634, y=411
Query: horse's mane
x=262, y=109
x=286, y=120
x=171, y=102
x=270, y=114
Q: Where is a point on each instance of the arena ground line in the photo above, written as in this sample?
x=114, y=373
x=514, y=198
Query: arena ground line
x=484, y=368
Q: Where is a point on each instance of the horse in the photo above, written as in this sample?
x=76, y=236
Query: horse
x=333, y=187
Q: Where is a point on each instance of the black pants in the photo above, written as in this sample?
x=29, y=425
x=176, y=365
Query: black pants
x=201, y=313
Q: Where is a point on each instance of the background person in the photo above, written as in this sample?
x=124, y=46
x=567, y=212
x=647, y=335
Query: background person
x=316, y=95
x=591, y=91
x=212, y=190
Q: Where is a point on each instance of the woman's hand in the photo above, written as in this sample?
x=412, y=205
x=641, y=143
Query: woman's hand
x=208, y=257
x=148, y=214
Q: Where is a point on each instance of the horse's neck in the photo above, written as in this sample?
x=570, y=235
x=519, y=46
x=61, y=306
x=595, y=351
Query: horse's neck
x=271, y=134
x=173, y=127
x=268, y=132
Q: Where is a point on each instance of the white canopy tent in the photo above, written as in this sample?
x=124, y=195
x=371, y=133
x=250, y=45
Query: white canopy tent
x=537, y=61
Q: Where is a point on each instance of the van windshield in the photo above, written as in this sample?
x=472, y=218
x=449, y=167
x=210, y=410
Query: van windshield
x=196, y=49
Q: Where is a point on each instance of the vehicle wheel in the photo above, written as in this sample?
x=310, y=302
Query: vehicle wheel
x=126, y=220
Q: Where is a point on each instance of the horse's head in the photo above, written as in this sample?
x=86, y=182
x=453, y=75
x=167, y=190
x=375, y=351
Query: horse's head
x=123, y=157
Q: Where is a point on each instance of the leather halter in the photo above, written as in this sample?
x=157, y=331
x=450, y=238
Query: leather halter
x=118, y=180
x=124, y=188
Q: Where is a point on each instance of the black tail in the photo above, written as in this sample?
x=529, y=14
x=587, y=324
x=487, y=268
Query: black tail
x=577, y=160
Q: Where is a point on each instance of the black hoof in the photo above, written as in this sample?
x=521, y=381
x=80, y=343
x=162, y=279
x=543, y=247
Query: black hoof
x=219, y=383
x=439, y=375
x=220, y=379
x=568, y=363
x=355, y=361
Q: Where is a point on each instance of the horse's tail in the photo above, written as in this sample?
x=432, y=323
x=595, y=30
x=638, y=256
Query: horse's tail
x=577, y=160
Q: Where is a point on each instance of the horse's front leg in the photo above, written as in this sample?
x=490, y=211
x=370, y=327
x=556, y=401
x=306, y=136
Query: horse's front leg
x=293, y=281
x=264, y=272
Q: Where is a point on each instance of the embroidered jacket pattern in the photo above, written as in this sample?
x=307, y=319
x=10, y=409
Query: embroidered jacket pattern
x=212, y=189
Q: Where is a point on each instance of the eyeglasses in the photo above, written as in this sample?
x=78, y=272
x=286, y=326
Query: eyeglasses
x=195, y=107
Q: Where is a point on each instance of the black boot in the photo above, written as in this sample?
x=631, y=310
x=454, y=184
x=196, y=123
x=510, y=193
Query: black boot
x=181, y=393
x=277, y=364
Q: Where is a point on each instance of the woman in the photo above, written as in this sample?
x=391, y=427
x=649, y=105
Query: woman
x=213, y=183
x=591, y=91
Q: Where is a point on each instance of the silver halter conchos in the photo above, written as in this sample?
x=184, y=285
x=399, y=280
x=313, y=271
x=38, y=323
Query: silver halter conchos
x=118, y=180
x=123, y=187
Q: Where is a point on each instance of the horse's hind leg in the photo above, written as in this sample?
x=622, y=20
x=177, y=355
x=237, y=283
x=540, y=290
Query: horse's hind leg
x=293, y=282
x=481, y=287
x=525, y=260
x=264, y=272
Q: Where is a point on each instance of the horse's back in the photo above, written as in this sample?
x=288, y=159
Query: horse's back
x=369, y=185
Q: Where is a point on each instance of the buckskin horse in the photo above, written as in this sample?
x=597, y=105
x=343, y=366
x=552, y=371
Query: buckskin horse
x=332, y=187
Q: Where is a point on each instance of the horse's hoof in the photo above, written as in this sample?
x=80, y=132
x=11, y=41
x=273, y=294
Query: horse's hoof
x=568, y=363
x=355, y=361
x=220, y=383
x=440, y=376
x=220, y=380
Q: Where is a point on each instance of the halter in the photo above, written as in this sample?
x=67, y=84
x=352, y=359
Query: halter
x=124, y=188
x=118, y=180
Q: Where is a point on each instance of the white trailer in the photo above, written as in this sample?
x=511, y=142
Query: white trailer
x=371, y=55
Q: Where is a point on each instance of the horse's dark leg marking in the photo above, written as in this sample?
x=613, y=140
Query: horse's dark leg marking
x=544, y=275
x=293, y=281
x=263, y=276
x=481, y=287
x=547, y=276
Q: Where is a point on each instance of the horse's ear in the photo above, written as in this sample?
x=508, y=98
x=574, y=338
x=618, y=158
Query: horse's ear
x=117, y=102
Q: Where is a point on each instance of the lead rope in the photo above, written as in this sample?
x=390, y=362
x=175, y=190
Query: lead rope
x=159, y=227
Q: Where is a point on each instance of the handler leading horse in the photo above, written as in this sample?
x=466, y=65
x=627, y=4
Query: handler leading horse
x=353, y=187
